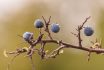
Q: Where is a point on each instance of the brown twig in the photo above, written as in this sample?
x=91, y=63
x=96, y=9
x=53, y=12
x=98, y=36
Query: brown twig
x=39, y=40
x=80, y=27
x=85, y=21
x=32, y=63
x=55, y=52
x=66, y=45
x=100, y=50
x=31, y=49
x=42, y=52
x=47, y=23
x=89, y=55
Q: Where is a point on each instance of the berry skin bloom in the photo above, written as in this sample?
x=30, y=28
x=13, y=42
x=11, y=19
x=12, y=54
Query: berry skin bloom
x=28, y=36
x=55, y=28
x=38, y=23
x=88, y=31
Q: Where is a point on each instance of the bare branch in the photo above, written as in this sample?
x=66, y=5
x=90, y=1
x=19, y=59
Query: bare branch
x=89, y=55
x=95, y=48
x=47, y=23
x=85, y=21
x=55, y=52
x=80, y=27
x=32, y=63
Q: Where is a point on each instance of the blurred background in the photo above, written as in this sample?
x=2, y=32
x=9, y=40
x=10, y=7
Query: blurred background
x=18, y=16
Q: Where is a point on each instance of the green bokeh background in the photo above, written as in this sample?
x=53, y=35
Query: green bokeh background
x=22, y=21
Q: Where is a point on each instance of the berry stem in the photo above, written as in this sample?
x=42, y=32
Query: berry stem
x=40, y=31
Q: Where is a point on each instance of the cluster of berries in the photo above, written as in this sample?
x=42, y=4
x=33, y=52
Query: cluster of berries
x=55, y=28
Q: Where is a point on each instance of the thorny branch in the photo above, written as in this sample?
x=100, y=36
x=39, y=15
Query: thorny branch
x=47, y=23
x=80, y=27
x=42, y=52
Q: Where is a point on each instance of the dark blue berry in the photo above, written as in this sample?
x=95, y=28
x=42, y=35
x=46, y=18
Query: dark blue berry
x=55, y=28
x=88, y=31
x=38, y=23
x=28, y=36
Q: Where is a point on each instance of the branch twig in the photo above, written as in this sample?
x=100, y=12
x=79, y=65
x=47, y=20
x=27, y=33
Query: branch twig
x=31, y=49
x=47, y=23
x=80, y=27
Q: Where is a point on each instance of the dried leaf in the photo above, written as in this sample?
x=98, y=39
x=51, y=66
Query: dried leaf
x=25, y=48
x=5, y=53
x=47, y=51
x=61, y=51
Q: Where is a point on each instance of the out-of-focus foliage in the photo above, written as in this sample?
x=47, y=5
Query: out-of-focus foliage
x=100, y=25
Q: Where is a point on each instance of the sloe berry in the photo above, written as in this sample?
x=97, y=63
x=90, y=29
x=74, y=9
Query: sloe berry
x=55, y=28
x=88, y=31
x=38, y=23
x=28, y=36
